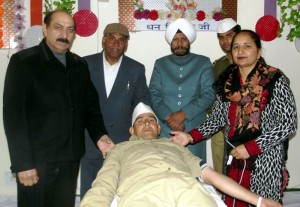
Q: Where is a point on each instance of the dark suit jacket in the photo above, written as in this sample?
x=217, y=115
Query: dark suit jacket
x=129, y=89
x=46, y=108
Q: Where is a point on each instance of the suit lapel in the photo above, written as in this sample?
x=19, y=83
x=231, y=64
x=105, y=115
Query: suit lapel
x=120, y=85
x=98, y=77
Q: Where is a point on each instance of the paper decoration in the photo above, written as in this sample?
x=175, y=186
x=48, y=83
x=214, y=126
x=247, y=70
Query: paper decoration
x=230, y=8
x=270, y=8
x=84, y=4
x=1, y=23
x=8, y=25
x=36, y=12
x=126, y=10
x=86, y=23
x=19, y=24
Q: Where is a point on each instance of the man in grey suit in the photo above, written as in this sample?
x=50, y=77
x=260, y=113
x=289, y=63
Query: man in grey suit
x=121, y=85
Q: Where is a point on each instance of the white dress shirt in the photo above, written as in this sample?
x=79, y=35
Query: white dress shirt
x=110, y=73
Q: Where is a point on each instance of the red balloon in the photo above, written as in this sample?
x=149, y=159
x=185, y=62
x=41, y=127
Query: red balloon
x=267, y=27
x=86, y=23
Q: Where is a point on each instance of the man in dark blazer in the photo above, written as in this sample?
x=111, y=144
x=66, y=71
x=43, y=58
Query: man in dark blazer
x=121, y=85
x=49, y=100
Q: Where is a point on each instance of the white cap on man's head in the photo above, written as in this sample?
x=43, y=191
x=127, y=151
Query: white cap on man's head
x=225, y=25
x=186, y=27
x=141, y=108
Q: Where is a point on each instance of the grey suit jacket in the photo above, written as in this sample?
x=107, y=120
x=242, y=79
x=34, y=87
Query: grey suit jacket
x=129, y=89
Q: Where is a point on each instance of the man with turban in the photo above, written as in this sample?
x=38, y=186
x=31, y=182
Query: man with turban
x=181, y=85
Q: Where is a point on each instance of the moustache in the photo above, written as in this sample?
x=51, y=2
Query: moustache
x=64, y=40
x=181, y=48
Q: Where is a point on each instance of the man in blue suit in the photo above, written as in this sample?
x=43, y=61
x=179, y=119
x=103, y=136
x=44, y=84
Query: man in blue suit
x=181, y=85
x=121, y=85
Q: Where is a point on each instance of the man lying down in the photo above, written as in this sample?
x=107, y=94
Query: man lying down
x=150, y=172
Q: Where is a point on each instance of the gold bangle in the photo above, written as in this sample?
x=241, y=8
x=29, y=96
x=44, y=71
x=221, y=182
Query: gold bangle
x=190, y=138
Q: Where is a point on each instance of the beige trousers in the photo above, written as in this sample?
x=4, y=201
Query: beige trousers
x=217, y=148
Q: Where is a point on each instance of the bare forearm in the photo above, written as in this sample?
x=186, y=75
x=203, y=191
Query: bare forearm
x=233, y=189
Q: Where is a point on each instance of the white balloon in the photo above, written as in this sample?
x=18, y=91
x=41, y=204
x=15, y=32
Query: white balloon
x=297, y=43
x=33, y=36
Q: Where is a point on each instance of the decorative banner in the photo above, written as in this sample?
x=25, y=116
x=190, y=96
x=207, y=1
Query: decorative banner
x=127, y=8
x=36, y=10
x=267, y=27
x=84, y=4
x=19, y=24
x=1, y=23
x=157, y=14
x=86, y=23
x=33, y=36
x=162, y=25
x=230, y=9
x=7, y=29
x=270, y=7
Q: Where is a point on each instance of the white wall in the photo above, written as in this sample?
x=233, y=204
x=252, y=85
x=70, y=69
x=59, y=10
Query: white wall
x=146, y=47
